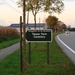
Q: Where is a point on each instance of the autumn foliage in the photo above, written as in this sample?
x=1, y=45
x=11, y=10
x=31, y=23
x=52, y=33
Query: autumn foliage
x=8, y=31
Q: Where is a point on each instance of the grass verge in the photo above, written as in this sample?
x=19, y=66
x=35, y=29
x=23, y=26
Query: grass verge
x=60, y=64
x=8, y=43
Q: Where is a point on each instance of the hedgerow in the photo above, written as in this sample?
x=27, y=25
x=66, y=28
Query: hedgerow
x=8, y=33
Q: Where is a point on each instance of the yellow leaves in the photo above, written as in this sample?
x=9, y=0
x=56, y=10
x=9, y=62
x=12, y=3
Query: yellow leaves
x=48, y=2
x=50, y=6
x=51, y=20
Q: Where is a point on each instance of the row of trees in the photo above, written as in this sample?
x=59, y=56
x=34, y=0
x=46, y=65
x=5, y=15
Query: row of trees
x=54, y=24
x=70, y=28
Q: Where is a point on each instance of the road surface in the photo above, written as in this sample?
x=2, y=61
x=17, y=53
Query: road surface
x=67, y=44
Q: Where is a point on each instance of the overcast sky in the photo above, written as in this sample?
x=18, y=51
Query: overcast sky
x=10, y=13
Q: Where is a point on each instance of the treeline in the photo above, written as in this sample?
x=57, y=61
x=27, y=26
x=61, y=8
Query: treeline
x=54, y=23
x=71, y=29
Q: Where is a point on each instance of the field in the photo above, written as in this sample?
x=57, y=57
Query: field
x=59, y=64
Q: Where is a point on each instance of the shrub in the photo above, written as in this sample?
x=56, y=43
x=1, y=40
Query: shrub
x=2, y=38
x=8, y=31
x=7, y=38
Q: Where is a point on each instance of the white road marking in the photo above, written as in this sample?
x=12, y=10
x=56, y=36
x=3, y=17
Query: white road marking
x=65, y=44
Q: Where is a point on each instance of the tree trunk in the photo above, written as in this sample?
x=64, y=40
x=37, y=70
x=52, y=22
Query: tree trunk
x=24, y=39
x=35, y=46
x=35, y=21
x=27, y=18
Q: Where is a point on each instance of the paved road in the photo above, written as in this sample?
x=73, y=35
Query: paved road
x=6, y=51
x=67, y=43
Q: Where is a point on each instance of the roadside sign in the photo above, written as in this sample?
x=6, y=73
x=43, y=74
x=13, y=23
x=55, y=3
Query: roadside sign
x=44, y=35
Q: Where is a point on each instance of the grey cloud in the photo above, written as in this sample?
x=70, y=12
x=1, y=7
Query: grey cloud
x=1, y=3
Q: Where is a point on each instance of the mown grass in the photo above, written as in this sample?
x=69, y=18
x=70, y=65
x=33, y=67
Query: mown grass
x=60, y=64
x=8, y=43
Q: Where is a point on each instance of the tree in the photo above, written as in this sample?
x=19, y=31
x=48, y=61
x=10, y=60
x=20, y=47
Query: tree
x=64, y=26
x=53, y=6
x=69, y=27
x=24, y=36
x=50, y=6
x=60, y=26
x=24, y=30
x=52, y=22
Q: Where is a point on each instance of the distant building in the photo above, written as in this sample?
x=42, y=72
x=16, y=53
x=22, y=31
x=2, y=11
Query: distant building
x=30, y=25
x=46, y=27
